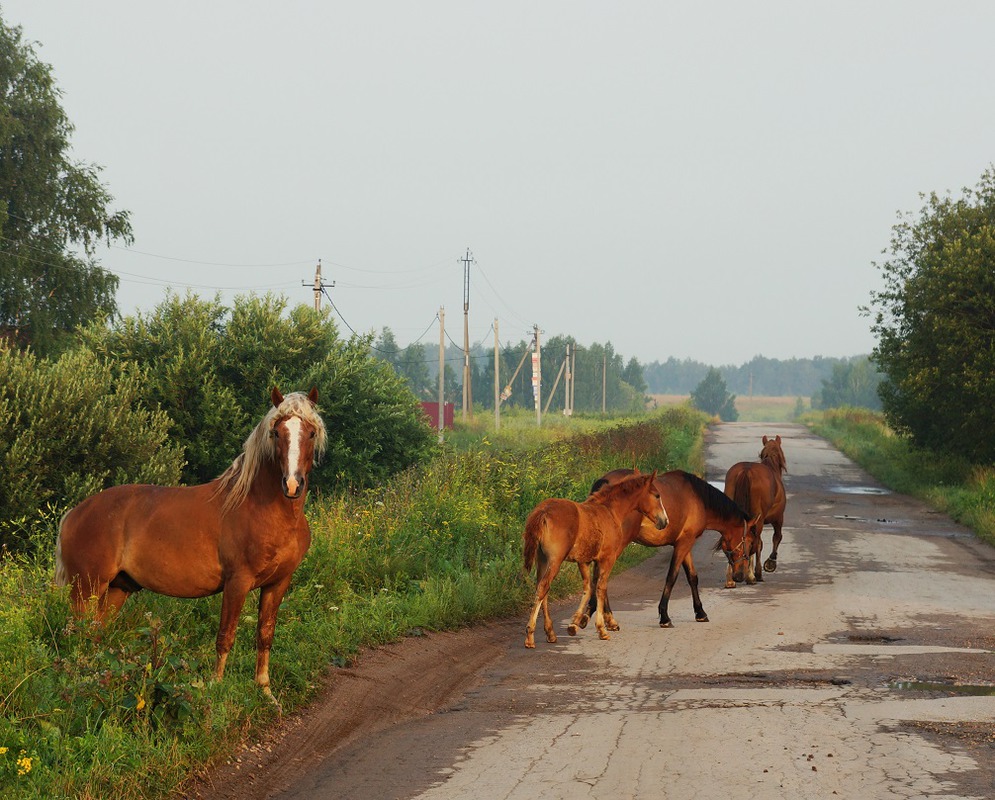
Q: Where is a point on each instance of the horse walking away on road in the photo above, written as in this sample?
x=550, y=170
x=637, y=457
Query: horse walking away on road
x=693, y=506
x=561, y=530
x=759, y=489
x=244, y=530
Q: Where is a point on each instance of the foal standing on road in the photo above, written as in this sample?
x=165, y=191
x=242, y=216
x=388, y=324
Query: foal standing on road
x=561, y=530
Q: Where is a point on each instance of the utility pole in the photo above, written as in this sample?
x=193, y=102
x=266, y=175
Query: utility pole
x=497, y=378
x=319, y=286
x=467, y=388
x=442, y=370
x=537, y=375
x=568, y=406
x=604, y=383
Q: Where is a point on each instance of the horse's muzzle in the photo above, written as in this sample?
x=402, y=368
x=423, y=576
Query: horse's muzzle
x=661, y=521
x=293, y=486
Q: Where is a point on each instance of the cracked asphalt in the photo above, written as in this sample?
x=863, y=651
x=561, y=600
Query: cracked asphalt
x=862, y=668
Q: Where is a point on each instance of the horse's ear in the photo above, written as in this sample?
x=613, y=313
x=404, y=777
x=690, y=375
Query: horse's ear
x=635, y=471
x=313, y=395
x=276, y=397
x=778, y=439
x=764, y=440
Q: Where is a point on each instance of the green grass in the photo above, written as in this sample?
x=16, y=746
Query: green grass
x=126, y=710
x=950, y=484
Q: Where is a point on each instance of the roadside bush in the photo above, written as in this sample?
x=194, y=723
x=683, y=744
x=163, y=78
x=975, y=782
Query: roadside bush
x=211, y=369
x=69, y=428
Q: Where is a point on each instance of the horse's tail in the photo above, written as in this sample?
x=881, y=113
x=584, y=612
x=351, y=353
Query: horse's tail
x=61, y=573
x=535, y=525
x=742, y=495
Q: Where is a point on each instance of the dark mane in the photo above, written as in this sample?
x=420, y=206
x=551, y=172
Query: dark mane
x=604, y=481
x=608, y=491
x=714, y=499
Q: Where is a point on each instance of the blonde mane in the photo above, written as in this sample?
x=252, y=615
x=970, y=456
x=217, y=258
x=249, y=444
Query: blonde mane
x=259, y=448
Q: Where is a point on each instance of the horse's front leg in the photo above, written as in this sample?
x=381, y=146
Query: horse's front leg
x=580, y=618
x=592, y=607
x=758, y=572
x=668, y=587
x=270, y=598
x=771, y=563
x=604, y=571
x=692, y=575
x=232, y=599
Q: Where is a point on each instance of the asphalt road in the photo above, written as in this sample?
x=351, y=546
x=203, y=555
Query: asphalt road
x=862, y=668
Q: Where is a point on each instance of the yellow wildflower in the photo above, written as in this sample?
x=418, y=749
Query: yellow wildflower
x=140, y=704
x=23, y=765
x=3, y=750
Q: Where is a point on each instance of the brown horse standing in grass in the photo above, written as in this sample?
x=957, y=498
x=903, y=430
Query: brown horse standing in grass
x=693, y=506
x=245, y=530
x=759, y=490
x=561, y=530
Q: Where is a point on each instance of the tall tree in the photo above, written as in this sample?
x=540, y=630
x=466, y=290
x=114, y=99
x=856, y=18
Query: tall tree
x=935, y=323
x=712, y=397
x=53, y=210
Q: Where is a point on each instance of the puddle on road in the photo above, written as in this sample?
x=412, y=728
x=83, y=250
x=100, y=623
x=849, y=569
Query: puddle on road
x=972, y=690
x=858, y=490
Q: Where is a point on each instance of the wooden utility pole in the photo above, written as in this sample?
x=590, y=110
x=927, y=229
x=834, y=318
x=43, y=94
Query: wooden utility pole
x=497, y=378
x=318, y=286
x=604, y=382
x=467, y=387
x=442, y=370
x=537, y=376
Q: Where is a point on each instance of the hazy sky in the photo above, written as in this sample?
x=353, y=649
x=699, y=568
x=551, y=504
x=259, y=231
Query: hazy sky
x=706, y=180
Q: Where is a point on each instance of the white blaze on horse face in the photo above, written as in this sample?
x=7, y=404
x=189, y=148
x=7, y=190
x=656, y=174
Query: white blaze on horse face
x=294, y=432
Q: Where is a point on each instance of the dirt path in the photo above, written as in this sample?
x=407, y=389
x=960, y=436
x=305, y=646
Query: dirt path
x=837, y=676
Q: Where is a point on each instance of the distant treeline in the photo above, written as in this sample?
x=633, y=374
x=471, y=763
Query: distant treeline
x=793, y=377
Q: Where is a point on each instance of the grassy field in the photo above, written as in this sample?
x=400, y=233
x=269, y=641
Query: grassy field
x=751, y=409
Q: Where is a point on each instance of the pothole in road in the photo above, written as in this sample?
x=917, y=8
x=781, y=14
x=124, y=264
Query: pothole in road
x=858, y=490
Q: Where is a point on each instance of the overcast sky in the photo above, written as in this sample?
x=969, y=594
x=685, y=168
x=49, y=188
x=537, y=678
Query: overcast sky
x=705, y=180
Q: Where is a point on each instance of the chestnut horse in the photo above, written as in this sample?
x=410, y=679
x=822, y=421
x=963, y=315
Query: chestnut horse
x=759, y=490
x=693, y=506
x=561, y=530
x=242, y=531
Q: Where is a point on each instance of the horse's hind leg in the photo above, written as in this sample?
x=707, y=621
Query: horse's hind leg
x=604, y=572
x=545, y=571
x=580, y=618
x=771, y=563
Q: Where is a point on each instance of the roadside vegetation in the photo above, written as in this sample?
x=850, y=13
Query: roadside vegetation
x=948, y=482
x=126, y=710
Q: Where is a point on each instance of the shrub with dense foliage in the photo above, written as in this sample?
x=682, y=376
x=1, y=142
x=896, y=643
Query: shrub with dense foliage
x=211, y=368
x=70, y=427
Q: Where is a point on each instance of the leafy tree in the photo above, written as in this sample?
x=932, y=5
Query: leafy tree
x=53, y=210
x=712, y=397
x=414, y=369
x=853, y=383
x=69, y=428
x=935, y=323
x=633, y=375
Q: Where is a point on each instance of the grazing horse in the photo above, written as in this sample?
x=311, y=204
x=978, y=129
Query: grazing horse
x=561, y=530
x=242, y=531
x=693, y=506
x=759, y=490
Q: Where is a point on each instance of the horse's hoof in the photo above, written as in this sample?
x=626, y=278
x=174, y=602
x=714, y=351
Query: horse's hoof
x=530, y=645
x=667, y=624
x=730, y=584
x=572, y=629
x=613, y=626
x=603, y=635
x=583, y=621
x=770, y=565
x=551, y=638
x=702, y=618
